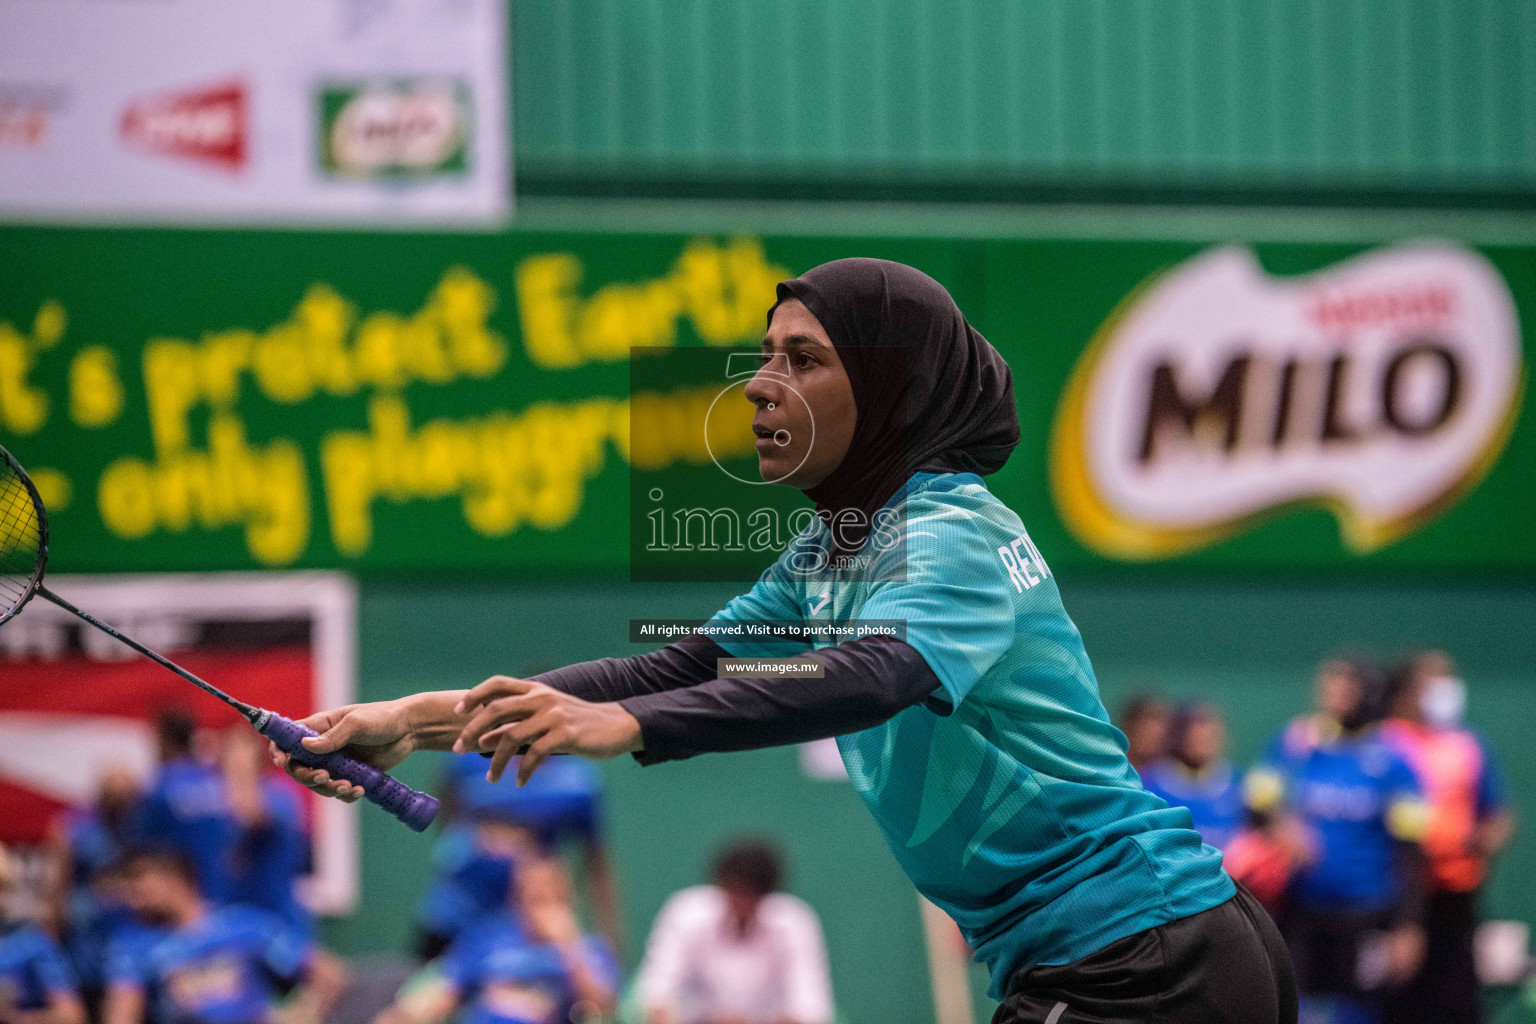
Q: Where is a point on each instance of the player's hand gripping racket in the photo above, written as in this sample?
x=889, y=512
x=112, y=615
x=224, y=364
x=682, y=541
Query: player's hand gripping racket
x=23, y=556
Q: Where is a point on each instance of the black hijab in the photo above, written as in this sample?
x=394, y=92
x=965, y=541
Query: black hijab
x=932, y=395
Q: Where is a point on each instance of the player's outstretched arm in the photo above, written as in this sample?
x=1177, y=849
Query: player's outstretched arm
x=864, y=683
x=382, y=733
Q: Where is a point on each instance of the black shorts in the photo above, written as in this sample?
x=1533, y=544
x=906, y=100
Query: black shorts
x=1226, y=965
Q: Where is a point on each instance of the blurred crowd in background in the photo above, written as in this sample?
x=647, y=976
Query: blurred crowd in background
x=1367, y=827
x=178, y=902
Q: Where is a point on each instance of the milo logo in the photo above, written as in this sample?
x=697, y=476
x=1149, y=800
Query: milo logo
x=397, y=128
x=1382, y=389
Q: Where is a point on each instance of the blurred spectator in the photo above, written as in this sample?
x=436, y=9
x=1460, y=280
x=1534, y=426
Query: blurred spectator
x=1469, y=823
x=475, y=866
x=270, y=850
x=561, y=804
x=88, y=903
x=1145, y=719
x=36, y=984
x=526, y=964
x=187, y=807
x=1196, y=773
x=1353, y=915
x=196, y=963
x=738, y=951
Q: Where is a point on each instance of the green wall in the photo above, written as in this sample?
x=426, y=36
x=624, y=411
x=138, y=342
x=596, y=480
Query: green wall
x=1250, y=644
x=1169, y=99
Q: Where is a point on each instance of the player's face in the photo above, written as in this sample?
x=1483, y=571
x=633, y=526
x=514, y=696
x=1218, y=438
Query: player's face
x=805, y=409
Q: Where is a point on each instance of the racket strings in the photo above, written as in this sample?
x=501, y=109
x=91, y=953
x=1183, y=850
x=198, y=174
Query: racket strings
x=20, y=538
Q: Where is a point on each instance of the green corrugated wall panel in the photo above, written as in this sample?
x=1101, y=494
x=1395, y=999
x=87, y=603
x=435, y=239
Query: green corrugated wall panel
x=1433, y=94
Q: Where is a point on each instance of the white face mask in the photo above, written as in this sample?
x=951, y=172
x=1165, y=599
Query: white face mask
x=1443, y=701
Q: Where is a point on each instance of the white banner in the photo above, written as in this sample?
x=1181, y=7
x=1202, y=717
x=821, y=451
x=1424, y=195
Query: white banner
x=282, y=111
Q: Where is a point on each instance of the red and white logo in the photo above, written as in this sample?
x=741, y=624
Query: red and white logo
x=207, y=125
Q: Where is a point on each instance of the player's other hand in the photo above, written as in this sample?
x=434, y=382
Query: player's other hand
x=378, y=734
x=507, y=714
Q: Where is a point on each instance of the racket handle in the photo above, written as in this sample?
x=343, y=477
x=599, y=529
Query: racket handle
x=414, y=808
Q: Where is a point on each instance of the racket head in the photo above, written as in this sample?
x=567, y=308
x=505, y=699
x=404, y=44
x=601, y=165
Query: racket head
x=23, y=537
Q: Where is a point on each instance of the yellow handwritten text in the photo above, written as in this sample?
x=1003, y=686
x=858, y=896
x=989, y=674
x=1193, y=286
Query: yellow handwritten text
x=323, y=348
x=95, y=390
x=509, y=470
x=24, y=408
x=53, y=487
x=263, y=488
x=724, y=291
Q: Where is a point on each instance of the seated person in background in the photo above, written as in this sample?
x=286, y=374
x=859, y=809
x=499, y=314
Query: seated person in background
x=36, y=984
x=527, y=964
x=85, y=845
x=476, y=868
x=270, y=848
x=737, y=951
x=1469, y=824
x=187, y=807
x=196, y=963
x=559, y=805
x=1145, y=720
x=1196, y=774
x=1353, y=918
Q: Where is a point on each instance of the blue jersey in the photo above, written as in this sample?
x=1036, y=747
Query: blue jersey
x=94, y=844
x=1007, y=798
x=269, y=859
x=32, y=968
x=228, y=967
x=1358, y=798
x=468, y=882
x=562, y=804
x=1214, y=797
x=187, y=807
x=503, y=977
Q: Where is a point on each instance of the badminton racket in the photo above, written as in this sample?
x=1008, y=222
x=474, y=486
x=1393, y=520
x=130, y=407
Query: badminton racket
x=23, y=557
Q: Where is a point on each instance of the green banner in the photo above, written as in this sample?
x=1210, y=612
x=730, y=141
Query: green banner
x=192, y=399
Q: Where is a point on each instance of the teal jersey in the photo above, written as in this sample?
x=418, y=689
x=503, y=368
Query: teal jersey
x=1007, y=798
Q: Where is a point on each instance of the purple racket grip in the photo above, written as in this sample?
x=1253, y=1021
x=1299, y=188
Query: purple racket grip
x=415, y=809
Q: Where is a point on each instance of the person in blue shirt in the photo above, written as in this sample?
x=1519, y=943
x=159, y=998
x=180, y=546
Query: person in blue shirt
x=526, y=964
x=187, y=807
x=974, y=732
x=488, y=824
x=270, y=849
x=36, y=983
x=85, y=845
x=194, y=962
x=1355, y=901
x=1197, y=774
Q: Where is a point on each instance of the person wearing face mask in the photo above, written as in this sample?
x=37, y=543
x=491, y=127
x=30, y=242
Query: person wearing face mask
x=1469, y=824
x=1354, y=909
x=977, y=739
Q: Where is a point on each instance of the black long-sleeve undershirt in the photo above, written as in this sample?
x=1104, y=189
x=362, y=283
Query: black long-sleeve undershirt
x=684, y=709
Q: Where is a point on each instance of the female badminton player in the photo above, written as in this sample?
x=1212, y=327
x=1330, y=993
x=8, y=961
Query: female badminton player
x=978, y=740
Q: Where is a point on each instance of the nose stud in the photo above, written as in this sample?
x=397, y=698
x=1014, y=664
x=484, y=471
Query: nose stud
x=772, y=406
